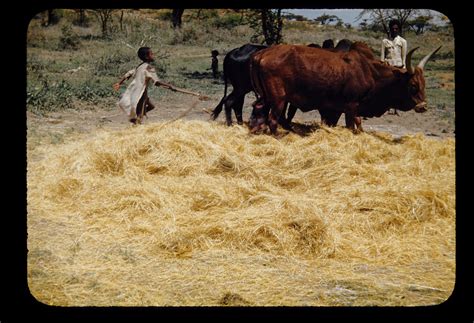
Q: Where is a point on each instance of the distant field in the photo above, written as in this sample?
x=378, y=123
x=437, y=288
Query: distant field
x=60, y=76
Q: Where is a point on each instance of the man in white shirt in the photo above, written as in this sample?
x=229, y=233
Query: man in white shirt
x=394, y=48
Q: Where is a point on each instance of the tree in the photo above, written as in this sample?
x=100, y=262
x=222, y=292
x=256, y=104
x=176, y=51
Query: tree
x=81, y=18
x=419, y=23
x=104, y=15
x=383, y=16
x=52, y=18
x=326, y=19
x=176, y=17
x=363, y=25
x=267, y=23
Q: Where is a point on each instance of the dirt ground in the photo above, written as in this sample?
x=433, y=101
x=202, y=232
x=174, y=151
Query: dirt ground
x=58, y=125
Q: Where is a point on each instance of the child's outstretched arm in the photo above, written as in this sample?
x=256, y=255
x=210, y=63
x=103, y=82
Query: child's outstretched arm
x=165, y=85
x=127, y=75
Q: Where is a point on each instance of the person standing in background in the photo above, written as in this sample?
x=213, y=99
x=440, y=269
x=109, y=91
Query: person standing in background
x=394, y=48
x=215, y=64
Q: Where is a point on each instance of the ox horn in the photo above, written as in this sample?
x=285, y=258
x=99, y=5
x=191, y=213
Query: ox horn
x=410, y=68
x=427, y=57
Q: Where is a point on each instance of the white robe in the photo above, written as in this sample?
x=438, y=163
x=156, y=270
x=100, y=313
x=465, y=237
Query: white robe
x=142, y=76
x=394, y=51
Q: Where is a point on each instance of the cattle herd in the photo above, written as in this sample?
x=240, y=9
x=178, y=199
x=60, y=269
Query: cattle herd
x=347, y=79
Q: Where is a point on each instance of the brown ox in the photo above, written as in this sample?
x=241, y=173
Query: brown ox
x=353, y=82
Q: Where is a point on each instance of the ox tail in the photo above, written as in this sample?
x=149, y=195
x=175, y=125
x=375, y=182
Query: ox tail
x=255, y=77
x=218, y=109
x=258, y=116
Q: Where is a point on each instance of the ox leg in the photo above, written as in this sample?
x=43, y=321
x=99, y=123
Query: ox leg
x=353, y=122
x=218, y=109
x=229, y=103
x=358, y=123
x=283, y=121
x=286, y=122
x=259, y=116
x=291, y=113
x=274, y=115
x=238, y=107
x=330, y=118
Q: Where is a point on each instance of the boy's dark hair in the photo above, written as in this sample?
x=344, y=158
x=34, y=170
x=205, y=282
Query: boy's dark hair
x=395, y=22
x=143, y=53
x=214, y=52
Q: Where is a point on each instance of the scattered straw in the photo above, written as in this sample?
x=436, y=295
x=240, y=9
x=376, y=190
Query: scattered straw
x=195, y=213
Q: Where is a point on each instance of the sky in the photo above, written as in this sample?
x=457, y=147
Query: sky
x=347, y=15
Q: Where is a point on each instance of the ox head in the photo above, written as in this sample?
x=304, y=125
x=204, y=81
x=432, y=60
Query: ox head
x=258, y=116
x=412, y=95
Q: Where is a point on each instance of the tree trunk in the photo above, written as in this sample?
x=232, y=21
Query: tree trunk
x=272, y=24
x=104, y=25
x=52, y=18
x=176, y=17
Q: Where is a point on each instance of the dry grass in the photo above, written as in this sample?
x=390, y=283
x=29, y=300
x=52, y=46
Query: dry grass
x=194, y=213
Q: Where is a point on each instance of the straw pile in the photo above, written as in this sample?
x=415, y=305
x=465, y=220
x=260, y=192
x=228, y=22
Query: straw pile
x=195, y=213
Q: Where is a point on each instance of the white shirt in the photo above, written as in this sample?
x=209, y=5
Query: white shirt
x=142, y=76
x=394, y=51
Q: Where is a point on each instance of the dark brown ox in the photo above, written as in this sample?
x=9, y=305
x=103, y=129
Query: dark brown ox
x=353, y=82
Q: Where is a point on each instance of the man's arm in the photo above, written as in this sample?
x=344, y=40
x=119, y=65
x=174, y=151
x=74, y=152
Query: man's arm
x=404, y=52
x=382, y=52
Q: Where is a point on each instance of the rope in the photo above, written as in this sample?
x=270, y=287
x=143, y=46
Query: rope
x=183, y=114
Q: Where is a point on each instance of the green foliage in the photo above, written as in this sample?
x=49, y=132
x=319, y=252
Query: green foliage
x=93, y=90
x=35, y=37
x=164, y=15
x=68, y=39
x=186, y=35
x=326, y=19
x=182, y=55
x=267, y=23
x=48, y=96
x=228, y=21
x=112, y=64
x=205, y=14
x=419, y=23
x=34, y=65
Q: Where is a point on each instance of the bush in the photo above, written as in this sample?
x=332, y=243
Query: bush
x=34, y=65
x=35, y=37
x=68, y=39
x=445, y=55
x=228, y=21
x=48, y=96
x=186, y=34
x=164, y=15
x=112, y=64
x=93, y=91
